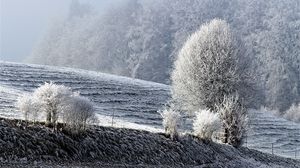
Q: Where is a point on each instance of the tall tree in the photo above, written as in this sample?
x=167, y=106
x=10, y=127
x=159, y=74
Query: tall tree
x=209, y=66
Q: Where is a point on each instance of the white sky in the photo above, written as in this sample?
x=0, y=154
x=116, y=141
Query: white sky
x=22, y=23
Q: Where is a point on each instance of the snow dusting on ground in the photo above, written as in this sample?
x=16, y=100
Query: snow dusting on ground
x=131, y=103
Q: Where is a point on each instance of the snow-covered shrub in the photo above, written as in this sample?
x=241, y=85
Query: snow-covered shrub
x=57, y=102
x=209, y=66
x=170, y=121
x=293, y=113
x=50, y=99
x=205, y=124
x=26, y=105
x=234, y=119
x=77, y=113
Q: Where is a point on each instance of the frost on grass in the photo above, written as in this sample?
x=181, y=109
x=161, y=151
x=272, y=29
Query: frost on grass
x=122, y=147
x=206, y=124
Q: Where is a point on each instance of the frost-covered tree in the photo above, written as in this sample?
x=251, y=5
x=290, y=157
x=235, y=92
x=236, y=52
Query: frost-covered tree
x=206, y=123
x=67, y=41
x=57, y=103
x=281, y=61
x=142, y=38
x=171, y=119
x=293, y=113
x=50, y=98
x=234, y=120
x=26, y=104
x=209, y=66
x=78, y=112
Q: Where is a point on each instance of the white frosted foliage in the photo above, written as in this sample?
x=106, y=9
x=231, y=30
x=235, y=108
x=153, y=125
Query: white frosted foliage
x=207, y=67
x=234, y=120
x=170, y=121
x=206, y=124
x=78, y=112
x=50, y=99
x=293, y=113
x=57, y=103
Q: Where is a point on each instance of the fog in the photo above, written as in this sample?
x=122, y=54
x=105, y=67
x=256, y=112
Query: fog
x=22, y=23
x=142, y=38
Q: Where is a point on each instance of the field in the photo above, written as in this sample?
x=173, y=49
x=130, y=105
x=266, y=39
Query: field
x=131, y=103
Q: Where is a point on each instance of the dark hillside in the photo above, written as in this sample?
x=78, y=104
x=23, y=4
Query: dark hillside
x=116, y=146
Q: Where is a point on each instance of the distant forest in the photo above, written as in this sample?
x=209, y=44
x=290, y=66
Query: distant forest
x=141, y=39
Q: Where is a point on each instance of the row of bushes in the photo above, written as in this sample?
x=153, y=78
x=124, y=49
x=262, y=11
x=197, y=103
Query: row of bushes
x=54, y=103
x=228, y=123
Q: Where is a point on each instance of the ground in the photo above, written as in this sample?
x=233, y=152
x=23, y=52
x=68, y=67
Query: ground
x=24, y=144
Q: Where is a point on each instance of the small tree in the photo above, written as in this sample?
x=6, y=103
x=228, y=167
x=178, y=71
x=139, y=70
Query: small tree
x=77, y=113
x=25, y=105
x=50, y=98
x=58, y=102
x=234, y=120
x=205, y=124
x=170, y=121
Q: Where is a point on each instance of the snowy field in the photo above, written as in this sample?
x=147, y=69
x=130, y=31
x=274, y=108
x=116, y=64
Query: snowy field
x=125, y=102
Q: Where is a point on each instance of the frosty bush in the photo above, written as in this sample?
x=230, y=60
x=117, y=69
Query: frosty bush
x=50, y=98
x=205, y=124
x=170, y=121
x=78, y=112
x=209, y=66
x=57, y=102
x=234, y=120
x=26, y=105
x=293, y=113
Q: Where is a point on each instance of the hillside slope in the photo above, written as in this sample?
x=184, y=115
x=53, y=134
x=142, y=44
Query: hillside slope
x=130, y=100
x=134, y=103
x=26, y=144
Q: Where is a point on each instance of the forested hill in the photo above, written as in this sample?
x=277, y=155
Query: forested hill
x=141, y=39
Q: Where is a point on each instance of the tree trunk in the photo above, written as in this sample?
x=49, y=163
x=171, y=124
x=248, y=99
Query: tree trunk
x=226, y=134
x=48, y=118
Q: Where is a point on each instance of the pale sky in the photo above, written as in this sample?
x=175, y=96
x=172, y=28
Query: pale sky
x=22, y=23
